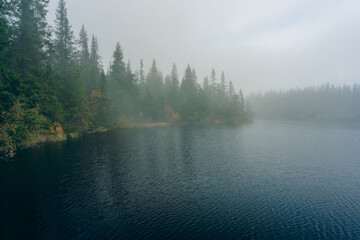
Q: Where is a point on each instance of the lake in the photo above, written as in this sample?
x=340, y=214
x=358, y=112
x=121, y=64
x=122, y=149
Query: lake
x=266, y=180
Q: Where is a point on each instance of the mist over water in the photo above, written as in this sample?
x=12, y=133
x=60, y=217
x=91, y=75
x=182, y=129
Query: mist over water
x=267, y=180
x=140, y=119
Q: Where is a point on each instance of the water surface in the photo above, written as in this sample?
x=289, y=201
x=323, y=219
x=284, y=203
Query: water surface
x=267, y=180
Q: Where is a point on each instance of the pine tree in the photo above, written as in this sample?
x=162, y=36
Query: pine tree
x=8, y=87
x=167, y=89
x=241, y=99
x=154, y=80
x=4, y=28
x=64, y=60
x=84, y=60
x=130, y=79
x=30, y=51
x=188, y=90
x=173, y=93
x=231, y=89
x=142, y=73
x=32, y=35
x=103, y=83
x=102, y=116
x=117, y=68
x=94, y=66
x=188, y=84
x=174, y=77
x=84, y=57
x=223, y=86
x=213, y=84
x=64, y=41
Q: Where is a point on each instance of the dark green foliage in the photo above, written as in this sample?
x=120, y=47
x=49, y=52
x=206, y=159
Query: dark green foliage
x=31, y=36
x=4, y=27
x=84, y=60
x=117, y=68
x=64, y=41
x=94, y=66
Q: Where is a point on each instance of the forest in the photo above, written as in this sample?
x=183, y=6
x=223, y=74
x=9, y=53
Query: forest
x=324, y=103
x=53, y=85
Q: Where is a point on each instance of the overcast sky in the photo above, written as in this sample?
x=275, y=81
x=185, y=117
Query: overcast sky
x=260, y=44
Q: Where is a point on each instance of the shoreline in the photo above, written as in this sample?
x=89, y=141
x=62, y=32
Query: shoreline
x=38, y=140
x=150, y=124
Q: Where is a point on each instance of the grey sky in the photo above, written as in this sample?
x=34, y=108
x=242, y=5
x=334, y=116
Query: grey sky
x=260, y=44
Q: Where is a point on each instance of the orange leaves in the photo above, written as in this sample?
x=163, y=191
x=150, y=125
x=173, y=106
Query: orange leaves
x=173, y=117
x=96, y=94
x=56, y=129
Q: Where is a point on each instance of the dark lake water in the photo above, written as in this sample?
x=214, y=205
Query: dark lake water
x=266, y=180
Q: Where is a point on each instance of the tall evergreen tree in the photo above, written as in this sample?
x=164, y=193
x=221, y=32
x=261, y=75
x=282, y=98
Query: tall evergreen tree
x=4, y=27
x=223, y=84
x=241, y=99
x=64, y=41
x=94, y=66
x=231, y=89
x=84, y=56
x=71, y=89
x=32, y=35
x=154, y=80
x=84, y=60
x=188, y=91
x=142, y=73
x=130, y=85
x=188, y=84
x=213, y=83
x=117, y=68
x=103, y=84
x=172, y=88
x=8, y=87
x=174, y=77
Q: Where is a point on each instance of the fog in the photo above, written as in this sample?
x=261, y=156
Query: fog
x=259, y=44
x=324, y=103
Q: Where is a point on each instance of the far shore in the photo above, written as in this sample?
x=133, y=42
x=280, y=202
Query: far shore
x=149, y=124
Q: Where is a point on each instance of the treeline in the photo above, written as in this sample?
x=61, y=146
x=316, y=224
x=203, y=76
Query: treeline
x=324, y=103
x=52, y=84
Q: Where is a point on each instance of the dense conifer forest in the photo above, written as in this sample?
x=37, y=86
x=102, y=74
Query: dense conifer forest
x=52, y=84
x=324, y=103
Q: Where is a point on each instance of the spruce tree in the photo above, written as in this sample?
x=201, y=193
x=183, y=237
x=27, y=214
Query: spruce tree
x=117, y=68
x=94, y=66
x=32, y=35
x=84, y=54
x=7, y=84
x=64, y=42
x=231, y=89
x=188, y=91
x=142, y=73
x=223, y=86
x=213, y=84
x=188, y=84
x=84, y=60
x=154, y=80
x=4, y=28
x=129, y=78
x=174, y=77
